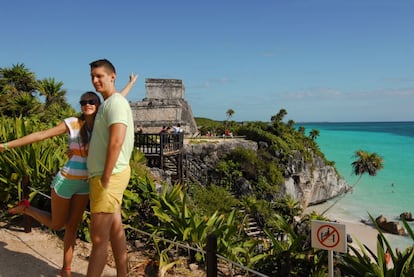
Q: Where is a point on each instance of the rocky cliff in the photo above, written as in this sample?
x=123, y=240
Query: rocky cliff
x=312, y=182
x=308, y=182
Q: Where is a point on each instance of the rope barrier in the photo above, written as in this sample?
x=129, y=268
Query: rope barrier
x=3, y=214
x=127, y=226
x=198, y=250
x=39, y=192
x=241, y=266
x=164, y=239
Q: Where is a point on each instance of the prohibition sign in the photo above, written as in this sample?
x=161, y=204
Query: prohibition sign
x=328, y=236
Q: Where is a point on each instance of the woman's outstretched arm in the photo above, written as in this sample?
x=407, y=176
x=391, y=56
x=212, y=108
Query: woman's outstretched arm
x=132, y=79
x=35, y=137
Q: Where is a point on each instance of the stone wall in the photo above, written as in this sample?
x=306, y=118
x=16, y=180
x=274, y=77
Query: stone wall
x=164, y=89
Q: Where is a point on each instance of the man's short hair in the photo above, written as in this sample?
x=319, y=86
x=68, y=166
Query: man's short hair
x=103, y=63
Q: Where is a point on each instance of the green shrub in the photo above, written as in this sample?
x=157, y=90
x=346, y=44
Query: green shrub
x=208, y=200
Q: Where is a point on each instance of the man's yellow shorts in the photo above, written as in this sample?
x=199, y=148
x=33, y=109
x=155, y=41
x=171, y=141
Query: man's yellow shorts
x=110, y=199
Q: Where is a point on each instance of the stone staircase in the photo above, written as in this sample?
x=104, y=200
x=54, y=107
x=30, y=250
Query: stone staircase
x=251, y=226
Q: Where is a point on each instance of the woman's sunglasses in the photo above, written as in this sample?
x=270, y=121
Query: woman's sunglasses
x=90, y=102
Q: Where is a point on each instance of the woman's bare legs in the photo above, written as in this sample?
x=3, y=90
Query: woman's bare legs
x=77, y=207
x=65, y=213
x=56, y=219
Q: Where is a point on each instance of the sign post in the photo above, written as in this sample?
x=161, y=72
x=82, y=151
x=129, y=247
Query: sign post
x=330, y=236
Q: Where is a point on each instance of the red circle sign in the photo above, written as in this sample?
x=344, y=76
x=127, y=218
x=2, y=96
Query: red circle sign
x=328, y=236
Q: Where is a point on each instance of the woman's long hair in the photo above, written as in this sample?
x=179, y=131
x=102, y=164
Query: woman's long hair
x=84, y=132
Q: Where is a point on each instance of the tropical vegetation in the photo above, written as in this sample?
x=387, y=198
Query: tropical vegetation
x=188, y=213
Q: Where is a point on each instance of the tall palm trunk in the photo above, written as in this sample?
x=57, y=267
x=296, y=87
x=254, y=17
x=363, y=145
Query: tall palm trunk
x=366, y=162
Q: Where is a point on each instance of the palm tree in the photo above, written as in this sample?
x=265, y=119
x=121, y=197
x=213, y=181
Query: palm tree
x=314, y=134
x=229, y=113
x=17, y=79
x=24, y=104
x=17, y=88
x=301, y=130
x=53, y=91
x=279, y=116
x=366, y=162
x=277, y=127
x=55, y=112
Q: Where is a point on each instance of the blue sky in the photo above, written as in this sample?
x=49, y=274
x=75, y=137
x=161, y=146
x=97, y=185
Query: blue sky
x=348, y=60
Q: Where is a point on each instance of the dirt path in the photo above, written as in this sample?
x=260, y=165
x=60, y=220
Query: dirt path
x=38, y=254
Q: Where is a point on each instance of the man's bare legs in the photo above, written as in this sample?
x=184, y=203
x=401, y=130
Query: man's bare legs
x=100, y=238
x=118, y=243
x=100, y=235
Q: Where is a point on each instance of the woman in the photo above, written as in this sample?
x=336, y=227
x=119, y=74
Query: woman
x=69, y=189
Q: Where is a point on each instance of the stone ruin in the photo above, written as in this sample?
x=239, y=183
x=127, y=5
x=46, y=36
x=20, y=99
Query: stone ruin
x=164, y=105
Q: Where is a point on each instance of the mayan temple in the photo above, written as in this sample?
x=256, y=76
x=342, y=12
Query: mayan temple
x=164, y=105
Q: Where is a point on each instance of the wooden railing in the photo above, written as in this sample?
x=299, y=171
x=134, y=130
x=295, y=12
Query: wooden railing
x=161, y=150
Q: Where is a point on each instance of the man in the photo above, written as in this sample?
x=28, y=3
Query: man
x=108, y=168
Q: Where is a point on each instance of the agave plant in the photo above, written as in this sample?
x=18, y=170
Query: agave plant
x=366, y=263
x=289, y=253
x=182, y=224
x=39, y=161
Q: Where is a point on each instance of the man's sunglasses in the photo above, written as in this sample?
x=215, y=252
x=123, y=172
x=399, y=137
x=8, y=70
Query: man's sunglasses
x=90, y=102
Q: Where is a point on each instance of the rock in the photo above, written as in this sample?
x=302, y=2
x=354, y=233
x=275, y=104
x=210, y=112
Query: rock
x=263, y=145
x=243, y=187
x=313, y=182
x=392, y=227
x=381, y=220
x=407, y=216
x=193, y=267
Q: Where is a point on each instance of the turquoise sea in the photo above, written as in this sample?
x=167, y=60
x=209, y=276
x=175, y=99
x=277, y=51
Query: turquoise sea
x=391, y=191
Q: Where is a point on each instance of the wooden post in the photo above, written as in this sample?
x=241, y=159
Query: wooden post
x=211, y=249
x=26, y=193
x=163, y=140
x=180, y=145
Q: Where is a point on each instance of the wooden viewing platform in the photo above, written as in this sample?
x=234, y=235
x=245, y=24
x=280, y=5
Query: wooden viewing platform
x=162, y=150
